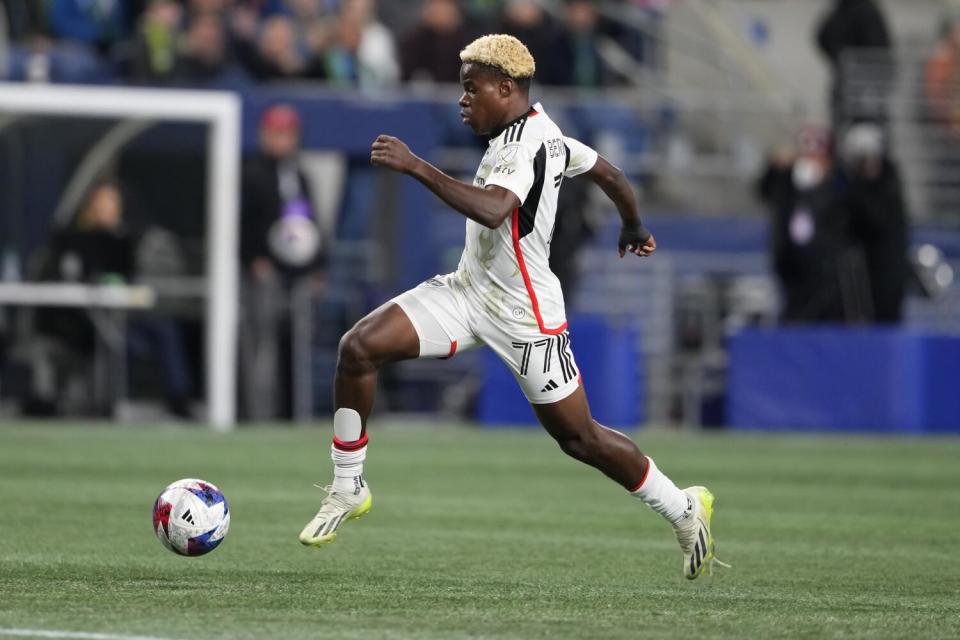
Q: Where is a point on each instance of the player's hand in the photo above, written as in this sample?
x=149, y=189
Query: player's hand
x=392, y=153
x=636, y=240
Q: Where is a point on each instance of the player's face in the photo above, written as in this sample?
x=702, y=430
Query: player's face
x=483, y=101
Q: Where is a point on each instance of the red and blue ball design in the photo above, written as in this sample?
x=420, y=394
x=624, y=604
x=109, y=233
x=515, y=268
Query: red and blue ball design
x=191, y=517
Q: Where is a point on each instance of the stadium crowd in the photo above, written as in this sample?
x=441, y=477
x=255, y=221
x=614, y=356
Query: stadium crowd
x=341, y=42
x=837, y=211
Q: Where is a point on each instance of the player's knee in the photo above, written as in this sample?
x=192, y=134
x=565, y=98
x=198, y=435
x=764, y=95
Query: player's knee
x=585, y=446
x=355, y=354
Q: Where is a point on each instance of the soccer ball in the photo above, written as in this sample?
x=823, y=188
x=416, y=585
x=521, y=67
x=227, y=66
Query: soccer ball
x=191, y=517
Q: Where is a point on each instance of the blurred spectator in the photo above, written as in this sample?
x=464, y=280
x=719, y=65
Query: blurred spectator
x=311, y=21
x=277, y=53
x=205, y=54
x=527, y=20
x=156, y=41
x=97, y=244
x=94, y=247
x=808, y=230
x=432, y=50
x=942, y=81
x=851, y=26
x=581, y=48
x=98, y=248
x=878, y=220
x=280, y=249
x=362, y=50
x=99, y=23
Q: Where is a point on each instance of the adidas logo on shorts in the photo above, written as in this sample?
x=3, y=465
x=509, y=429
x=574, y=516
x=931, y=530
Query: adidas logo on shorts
x=550, y=386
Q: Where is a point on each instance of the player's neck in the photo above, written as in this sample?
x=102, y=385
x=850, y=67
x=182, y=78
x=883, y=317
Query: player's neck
x=514, y=113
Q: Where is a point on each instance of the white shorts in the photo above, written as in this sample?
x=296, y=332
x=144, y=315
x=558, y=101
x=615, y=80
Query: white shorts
x=448, y=320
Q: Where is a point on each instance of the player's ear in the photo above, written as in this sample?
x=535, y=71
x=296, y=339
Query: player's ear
x=506, y=87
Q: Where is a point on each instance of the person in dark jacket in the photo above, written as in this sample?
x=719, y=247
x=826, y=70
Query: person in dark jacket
x=280, y=250
x=438, y=37
x=808, y=231
x=529, y=22
x=279, y=233
x=97, y=248
x=875, y=202
x=276, y=54
x=853, y=25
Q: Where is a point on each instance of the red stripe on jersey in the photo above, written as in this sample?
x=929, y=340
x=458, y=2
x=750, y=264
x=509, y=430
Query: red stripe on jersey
x=350, y=446
x=526, y=279
x=453, y=350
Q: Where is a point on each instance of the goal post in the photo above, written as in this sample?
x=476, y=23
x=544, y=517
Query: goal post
x=220, y=110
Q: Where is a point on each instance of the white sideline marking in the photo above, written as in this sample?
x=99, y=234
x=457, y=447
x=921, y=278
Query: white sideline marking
x=75, y=635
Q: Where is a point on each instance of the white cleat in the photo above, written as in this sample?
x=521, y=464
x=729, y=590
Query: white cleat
x=335, y=509
x=693, y=534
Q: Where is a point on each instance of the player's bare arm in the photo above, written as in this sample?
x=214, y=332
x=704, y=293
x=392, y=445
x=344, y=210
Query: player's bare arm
x=634, y=237
x=488, y=206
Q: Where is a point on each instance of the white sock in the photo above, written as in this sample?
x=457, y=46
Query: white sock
x=348, y=451
x=659, y=493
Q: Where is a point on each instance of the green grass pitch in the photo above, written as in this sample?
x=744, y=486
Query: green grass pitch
x=479, y=534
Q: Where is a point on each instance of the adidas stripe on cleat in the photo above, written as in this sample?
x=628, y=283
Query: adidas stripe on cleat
x=336, y=509
x=693, y=534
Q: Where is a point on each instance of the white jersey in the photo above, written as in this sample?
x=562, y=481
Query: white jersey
x=507, y=268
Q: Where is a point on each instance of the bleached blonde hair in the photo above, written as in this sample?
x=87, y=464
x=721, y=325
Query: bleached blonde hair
x=502, y=52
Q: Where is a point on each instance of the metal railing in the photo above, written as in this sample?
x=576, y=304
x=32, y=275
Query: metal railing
x=893, y=88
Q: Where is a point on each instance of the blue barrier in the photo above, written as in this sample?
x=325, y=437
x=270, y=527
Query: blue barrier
x=608, y=358
x=820, y=379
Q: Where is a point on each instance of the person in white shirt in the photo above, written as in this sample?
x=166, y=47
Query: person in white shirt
x=504, y=295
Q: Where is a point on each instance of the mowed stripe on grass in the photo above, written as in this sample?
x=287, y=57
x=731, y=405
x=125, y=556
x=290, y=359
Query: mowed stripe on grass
x=70, y=635
x=478, y=534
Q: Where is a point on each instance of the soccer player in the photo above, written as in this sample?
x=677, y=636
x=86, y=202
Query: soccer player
x=504, y=295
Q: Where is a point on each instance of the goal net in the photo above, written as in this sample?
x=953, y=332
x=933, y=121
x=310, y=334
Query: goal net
x=177, y=154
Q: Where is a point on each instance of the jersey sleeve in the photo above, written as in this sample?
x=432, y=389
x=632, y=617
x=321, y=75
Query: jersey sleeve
x=513, y=169
x=580, y=157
